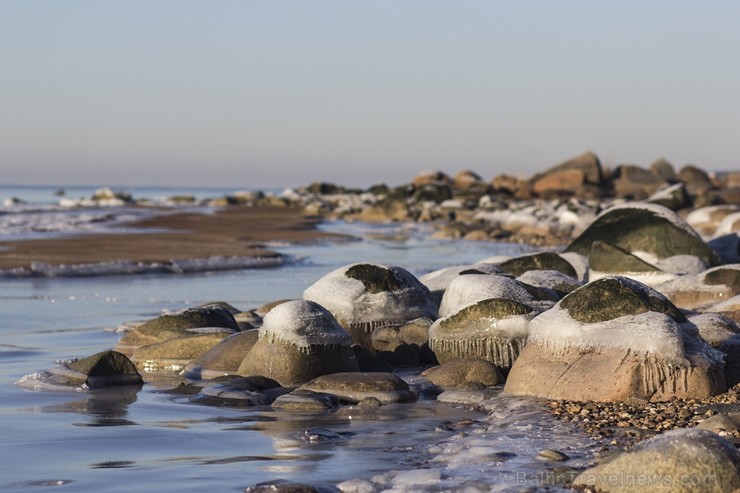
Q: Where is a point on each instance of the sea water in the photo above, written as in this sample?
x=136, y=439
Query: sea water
x=137, y=439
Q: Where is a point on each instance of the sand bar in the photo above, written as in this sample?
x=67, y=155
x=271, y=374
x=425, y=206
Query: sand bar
x=231, y=231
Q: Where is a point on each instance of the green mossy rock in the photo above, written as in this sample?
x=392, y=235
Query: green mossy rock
x=613, y=297
x=538, y=261
x=609, y=258
x=647, y=228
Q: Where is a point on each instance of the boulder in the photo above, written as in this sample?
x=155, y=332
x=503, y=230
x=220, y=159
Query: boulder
x=239, y=391
x=587, y=163
x=551, y=280
x=699, y=290
x=458, y=372
x=615, y=339
x=224, y=358
x=176, y=324
x=653, y=230
x=363, y=297
x=634, y=182
x=664, y=170
x=678, y=461
x=493, y=329
x=301, y=400
x=172, y=355
x=299, y=340
x=566, y=181
x=103, y=369
x=674, y=197
x=697, y=180
x=469, y=288
x=354, y=387
x=431, y=178
x=537, y=261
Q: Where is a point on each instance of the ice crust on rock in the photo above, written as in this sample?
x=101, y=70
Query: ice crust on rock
x=651, y=334
x=469, y=289
x=440, y=279
x=350, y=300
x=658, y=210
x=303, y=324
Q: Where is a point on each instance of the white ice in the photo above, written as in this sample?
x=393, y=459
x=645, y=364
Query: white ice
x=350, y=302
x=303, y=324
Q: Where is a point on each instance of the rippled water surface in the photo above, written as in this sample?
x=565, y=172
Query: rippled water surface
x=145, y=439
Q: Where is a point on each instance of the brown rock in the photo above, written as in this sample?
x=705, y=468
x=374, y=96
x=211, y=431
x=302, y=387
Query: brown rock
x=563, y=181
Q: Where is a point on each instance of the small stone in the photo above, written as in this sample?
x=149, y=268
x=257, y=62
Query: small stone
x=552, y=455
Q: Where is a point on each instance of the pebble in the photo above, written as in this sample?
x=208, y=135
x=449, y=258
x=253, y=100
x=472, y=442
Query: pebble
x=630, y=423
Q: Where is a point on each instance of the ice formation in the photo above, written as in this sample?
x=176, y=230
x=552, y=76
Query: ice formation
x=303, y=324
x=650, y=334
x=372, y=295
x=468, y=289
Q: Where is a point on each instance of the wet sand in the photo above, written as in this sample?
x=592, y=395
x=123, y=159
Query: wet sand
x=232, y=231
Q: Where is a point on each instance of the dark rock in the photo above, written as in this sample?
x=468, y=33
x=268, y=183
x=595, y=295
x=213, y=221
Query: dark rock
x=644, y=227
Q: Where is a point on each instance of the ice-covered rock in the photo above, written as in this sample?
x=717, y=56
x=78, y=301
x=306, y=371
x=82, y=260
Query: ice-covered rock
x=364, y=296
x=472, y=287
x=494, y=329
x=104, y=369
x=649, y=231
x=698, y=290
x=615, y=339
x=299, y=340
x=438, y=280
x=714, y=328
x=537, y=261
x=552, y=280
x=678, y=461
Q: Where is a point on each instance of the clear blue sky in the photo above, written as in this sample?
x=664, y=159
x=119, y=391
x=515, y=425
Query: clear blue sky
x=275, y=93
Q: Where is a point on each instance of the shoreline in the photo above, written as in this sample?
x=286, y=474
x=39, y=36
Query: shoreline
x=228, y=232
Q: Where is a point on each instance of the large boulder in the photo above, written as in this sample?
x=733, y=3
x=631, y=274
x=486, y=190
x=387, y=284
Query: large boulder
x=300, y=340
x=616, y=339
x=363, y=297
x=655, y=231
x=678, y=461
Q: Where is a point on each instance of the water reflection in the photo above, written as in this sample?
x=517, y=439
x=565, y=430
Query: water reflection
x=105, y=407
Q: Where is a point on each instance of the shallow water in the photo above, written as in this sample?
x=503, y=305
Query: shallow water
x=142, y=438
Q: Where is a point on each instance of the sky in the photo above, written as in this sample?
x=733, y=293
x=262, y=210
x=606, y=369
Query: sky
x=285, y=93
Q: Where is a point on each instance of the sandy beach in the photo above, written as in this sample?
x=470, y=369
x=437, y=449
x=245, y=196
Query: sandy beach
x=232, y=231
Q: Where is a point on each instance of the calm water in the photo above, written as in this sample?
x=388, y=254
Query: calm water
x=143, y=439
